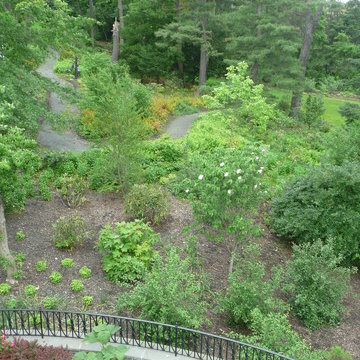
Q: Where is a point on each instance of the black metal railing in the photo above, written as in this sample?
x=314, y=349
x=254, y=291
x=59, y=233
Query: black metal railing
x=135, y=332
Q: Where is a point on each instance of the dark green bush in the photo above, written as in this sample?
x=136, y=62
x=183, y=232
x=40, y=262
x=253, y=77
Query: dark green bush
x=127, y=250
x=316, y=284
x=324, y=203
x=313, y=111
x=351, y=112
x=148, y=202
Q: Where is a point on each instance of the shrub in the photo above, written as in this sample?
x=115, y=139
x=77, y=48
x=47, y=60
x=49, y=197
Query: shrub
x=55, y=277
x=127, y=250
x=322, y=204
x=41, y=266
x=23, y=349
x=77, y=285
x=44, y=179
x=67, y=263
x=313, y=111
x=87, y=300
x=85, y=272
x=20, y=236
x=179, y=301
x=247, y=289
x=68, y=231
x=5, y=289
x=316, y=284
x=338, y=353
x=50, y=303
x=18, y=274
x=30, y=290
x=148, y=202
x=71, y=189
x=351, y=112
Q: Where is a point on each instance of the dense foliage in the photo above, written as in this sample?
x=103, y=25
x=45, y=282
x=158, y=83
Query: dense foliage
x=322, y=204
x=127, y=250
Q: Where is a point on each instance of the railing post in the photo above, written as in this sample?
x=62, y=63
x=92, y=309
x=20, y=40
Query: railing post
x=41, y=324
x=176, y=338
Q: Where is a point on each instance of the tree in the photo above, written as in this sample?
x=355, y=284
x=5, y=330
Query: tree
x=115, y=49
x=91, y=15
x=121, y=23
x=311, y=22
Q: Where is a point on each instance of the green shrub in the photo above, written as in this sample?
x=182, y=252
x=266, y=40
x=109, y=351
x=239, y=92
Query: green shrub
x=313, y=111
x=71, y=189
x=179, y=301
x=5, y=289
x=55, y=277
x=85, y=272
x=316, y=284
x=77, y=285
x=44, y=180
x=41, y=266
x=20, y=236
x=30, y=290
x=87, y=301
x=18, y=274
x=247, y=289
x=322, y=204
x=351, y=112
x=148, y=202
x=67, y=263
x=68, y=231
x=127, y=250
x=338, y=353
x=50, y=303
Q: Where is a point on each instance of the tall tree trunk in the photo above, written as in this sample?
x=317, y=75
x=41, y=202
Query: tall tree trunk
x=204, y=55
x=179, y=45
x=91, y=15
x=255, y=67
x=310, y=27
x=4, y=247
x=121, y=22
x=115, y=50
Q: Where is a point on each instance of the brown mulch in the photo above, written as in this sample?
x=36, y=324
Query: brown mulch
x=36, y=222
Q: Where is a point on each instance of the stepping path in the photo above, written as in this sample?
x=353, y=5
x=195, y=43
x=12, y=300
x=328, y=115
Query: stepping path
x=179, y=126
x=48, y=137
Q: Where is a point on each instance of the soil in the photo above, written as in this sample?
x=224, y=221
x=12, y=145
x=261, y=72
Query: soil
x=36, y=222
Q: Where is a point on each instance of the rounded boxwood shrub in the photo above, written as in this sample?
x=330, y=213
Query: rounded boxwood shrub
x=148, y=202
x=322, y=204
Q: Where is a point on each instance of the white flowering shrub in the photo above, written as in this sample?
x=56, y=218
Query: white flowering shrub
x=225, y=186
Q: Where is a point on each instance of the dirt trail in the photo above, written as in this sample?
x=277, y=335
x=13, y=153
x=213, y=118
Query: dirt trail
x=47, y=137
x=179, y=126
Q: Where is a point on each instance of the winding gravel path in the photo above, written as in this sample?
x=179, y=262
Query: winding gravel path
x=48, y=137
x=179, y=126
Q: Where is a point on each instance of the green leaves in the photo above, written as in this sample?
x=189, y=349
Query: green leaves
x=127, y=250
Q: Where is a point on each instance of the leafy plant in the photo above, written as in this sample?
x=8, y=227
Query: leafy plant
x=77, y=285
x=322, y=204
x=19, y=258
x=68, y=231
x=351, y=112
x=71, y=189
x=248, y=289
x=20, y=236
x=5, y=289
x=102, y=334
x=55, y=277
x=30, y=290
x=67, y=263
x=316, y=284
x=50, y=302
x=85, y=272
x=313, y=111
x=18, y=274
x=179, y=301
x=338, y=353
x=41, y=266
x=127, y=250
x=87, y=301
x=147, y=202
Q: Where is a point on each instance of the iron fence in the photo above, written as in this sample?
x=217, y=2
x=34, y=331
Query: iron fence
x=135, y=332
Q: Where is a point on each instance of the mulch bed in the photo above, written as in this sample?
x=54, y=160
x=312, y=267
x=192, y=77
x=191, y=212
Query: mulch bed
x=36, y=222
